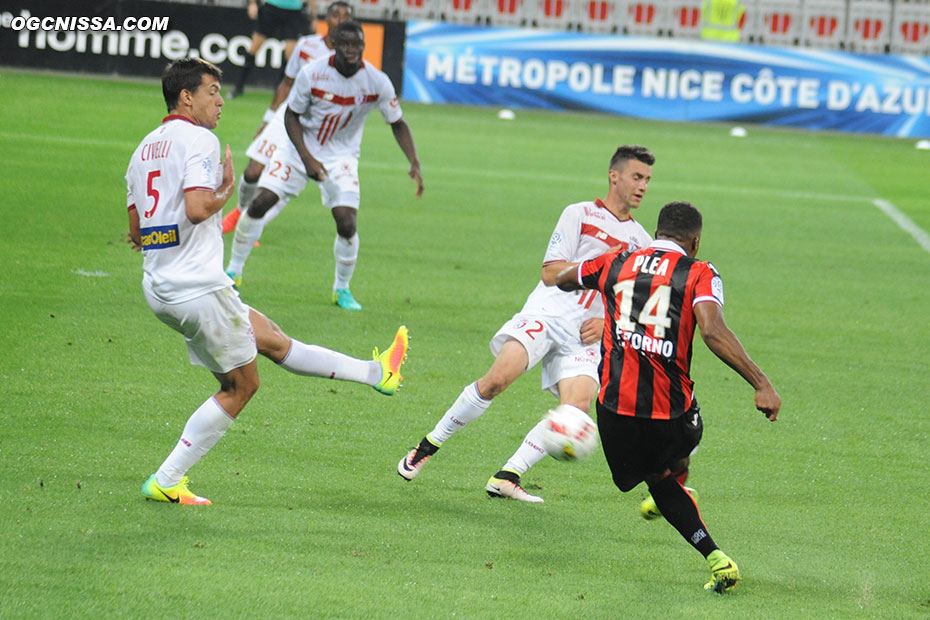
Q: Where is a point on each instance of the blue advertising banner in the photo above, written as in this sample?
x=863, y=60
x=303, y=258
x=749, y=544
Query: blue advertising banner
x=667, y=79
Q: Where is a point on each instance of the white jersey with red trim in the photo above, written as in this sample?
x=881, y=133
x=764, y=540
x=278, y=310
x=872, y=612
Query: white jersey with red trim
x=307, y=49
x=333, y=108
x=585, y=230
x=180, y=260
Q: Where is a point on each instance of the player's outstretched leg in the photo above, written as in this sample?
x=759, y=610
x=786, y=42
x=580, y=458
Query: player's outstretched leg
x=724, y=573
x=467, y=408
x=650, y=511
x=413, y=462
x=391, y=361
x=177, y=494
x=506, y=484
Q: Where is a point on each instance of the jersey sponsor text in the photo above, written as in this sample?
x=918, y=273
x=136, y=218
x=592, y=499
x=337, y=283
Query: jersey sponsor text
x=160, y=237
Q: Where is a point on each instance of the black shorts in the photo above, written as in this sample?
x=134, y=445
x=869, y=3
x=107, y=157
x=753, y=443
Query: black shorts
x=281, y=24
x=637, y=447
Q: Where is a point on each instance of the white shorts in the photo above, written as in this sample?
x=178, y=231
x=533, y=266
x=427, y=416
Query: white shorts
x=216, y=327
x=561, y=353
x=286, y=176
x=267, y=143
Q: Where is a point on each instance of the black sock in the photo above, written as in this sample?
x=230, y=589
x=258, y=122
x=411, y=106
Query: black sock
x=508, y=475
x=427, y=447
x=680, y=510
x=246, y=69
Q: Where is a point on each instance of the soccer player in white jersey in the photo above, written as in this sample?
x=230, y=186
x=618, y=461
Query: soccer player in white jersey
x=176, y=188
x=324, y=119
x=271, y=133
x=560, y=330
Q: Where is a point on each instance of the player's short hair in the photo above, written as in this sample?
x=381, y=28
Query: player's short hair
x=679, y=220
x=332, y=8
x=631, y=151
x=185, y=74
x=348, y=26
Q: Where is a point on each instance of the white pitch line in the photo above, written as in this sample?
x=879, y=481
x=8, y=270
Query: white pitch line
x=906, y=223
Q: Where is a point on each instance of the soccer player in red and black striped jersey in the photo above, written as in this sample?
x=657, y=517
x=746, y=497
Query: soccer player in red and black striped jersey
x=649, y=420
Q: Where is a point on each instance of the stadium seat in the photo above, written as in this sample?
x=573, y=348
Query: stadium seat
x=779, y=22
x=507, y=13
x=373, y=9
x=685, y=19
x=910, y=32
x=463, y=11
x=598, y=16
x=868, y=26
x=824, y=24
x=555, y=14
x=643, y=18
x=417, y=9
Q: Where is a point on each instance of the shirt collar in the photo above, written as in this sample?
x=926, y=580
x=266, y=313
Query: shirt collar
x=668, y=245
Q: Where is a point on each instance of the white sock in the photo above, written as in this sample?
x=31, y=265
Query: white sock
x=246, y=192
x=467, y=407
x=313, y=361
x=204, y=428
x=346, y=253
x=529, y=453
x=248, y=231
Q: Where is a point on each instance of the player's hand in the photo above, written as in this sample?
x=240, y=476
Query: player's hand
x=224, y=191
x=229, y=175
x=768, y=402
x=132, y=243
x=253, y=11
x=592, y=331
x=417, y=177
x=315, y=170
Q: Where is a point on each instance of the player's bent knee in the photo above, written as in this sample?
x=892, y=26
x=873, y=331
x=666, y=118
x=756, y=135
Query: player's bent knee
x=263, y=201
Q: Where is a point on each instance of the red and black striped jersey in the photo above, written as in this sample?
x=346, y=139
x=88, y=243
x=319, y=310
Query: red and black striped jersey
x=649, y=297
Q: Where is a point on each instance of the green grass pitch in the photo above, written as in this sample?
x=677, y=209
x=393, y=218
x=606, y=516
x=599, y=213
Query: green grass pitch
x=826, y=511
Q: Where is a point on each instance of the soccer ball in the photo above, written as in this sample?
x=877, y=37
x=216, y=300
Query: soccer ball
x=569, y=434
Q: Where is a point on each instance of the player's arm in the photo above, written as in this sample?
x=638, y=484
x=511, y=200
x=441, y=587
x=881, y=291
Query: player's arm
x=200, y=204
x=551, y=271
x=134, y=238
x=295, y=132
x=405, y=140
x=280, y=96
x=567, y=278
x=721, y=340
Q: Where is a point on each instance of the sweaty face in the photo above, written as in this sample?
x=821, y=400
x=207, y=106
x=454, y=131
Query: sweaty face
x=348, y=45
x=206, y=102
x=631, y=182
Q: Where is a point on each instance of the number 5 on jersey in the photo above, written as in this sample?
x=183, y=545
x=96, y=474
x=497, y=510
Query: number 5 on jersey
x=152, y=192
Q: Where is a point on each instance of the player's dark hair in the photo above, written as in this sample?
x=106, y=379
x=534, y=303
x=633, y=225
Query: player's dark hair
x=339, y=3
x=631, y=151
x=348, y=26
x=679, y=220
x=185, y=74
